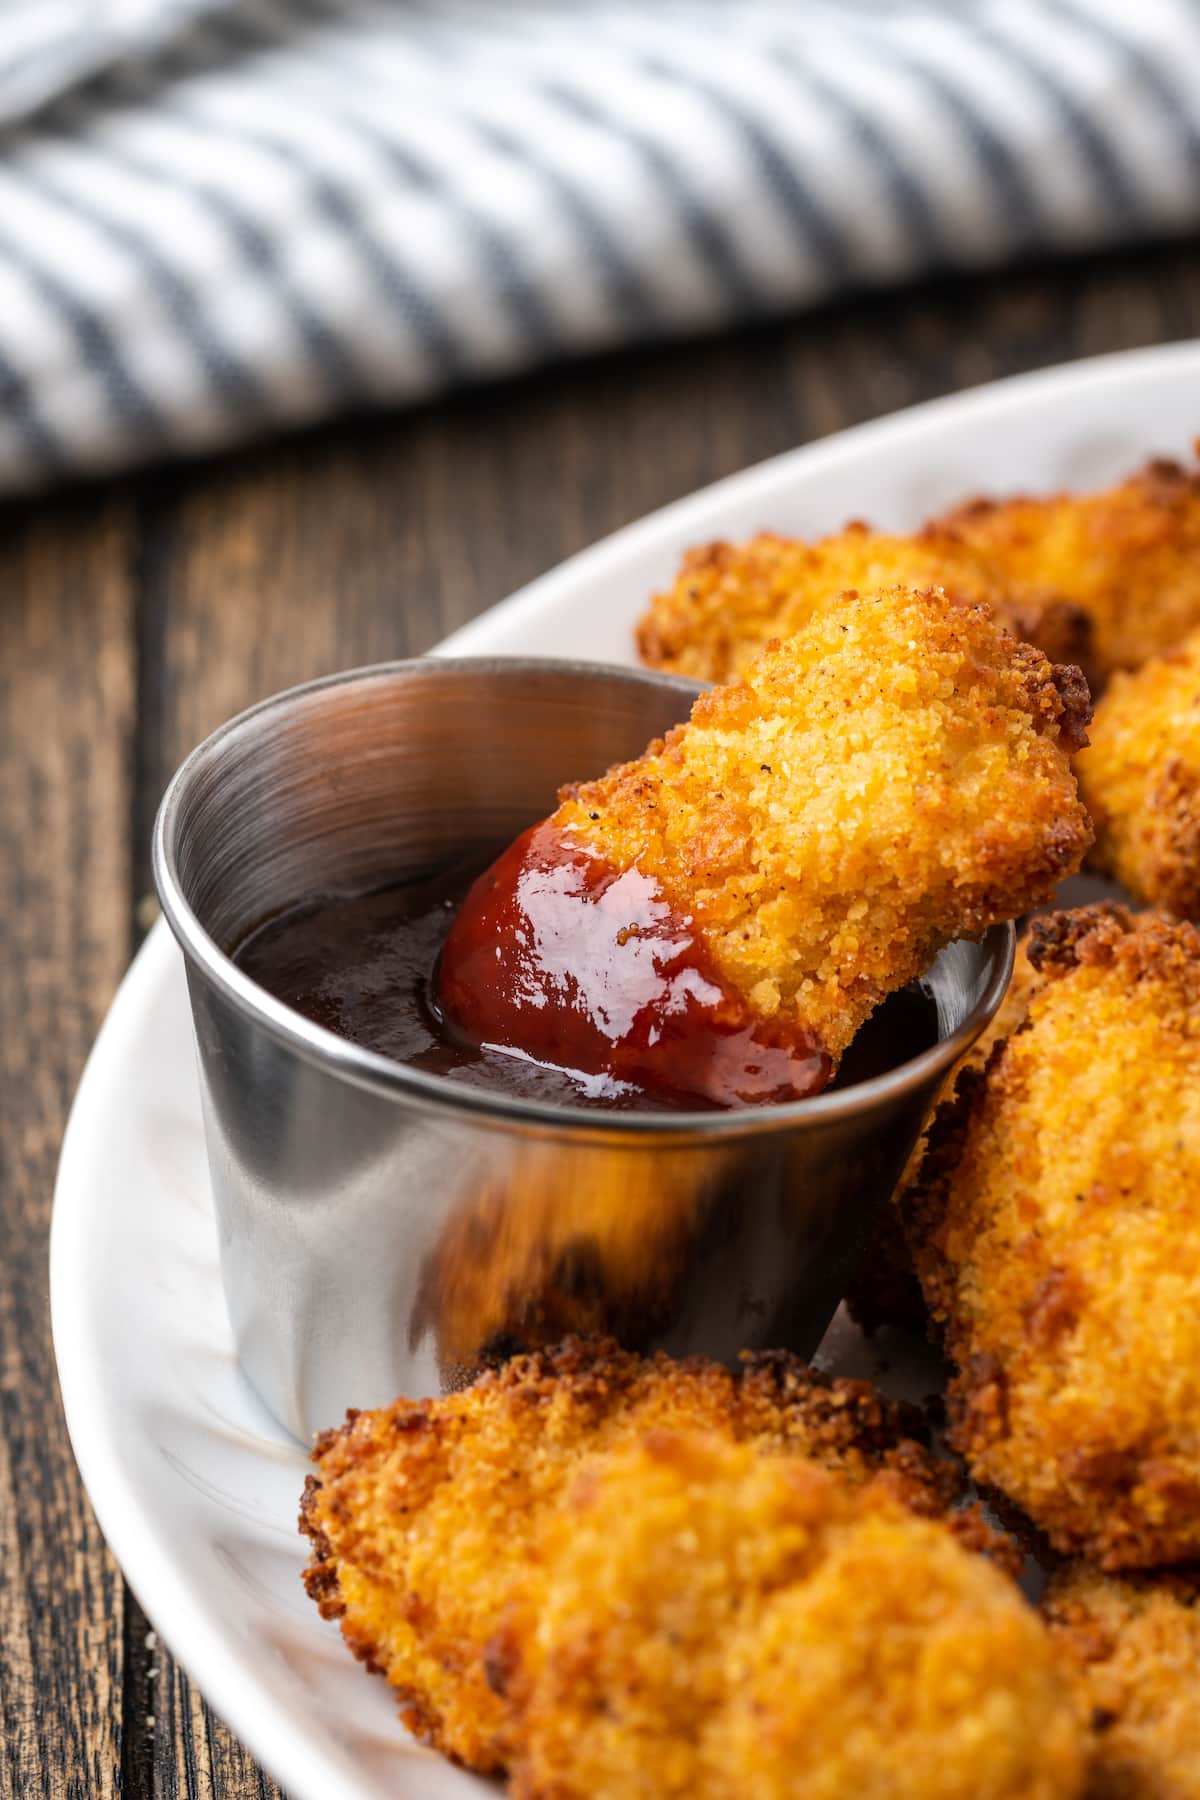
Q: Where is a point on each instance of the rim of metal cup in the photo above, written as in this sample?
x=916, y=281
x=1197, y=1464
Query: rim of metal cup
x=381, y=1075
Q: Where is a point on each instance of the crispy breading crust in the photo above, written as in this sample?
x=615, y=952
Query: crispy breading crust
x=1103, y=580
x=1056, y=1232
x=1128, y=555
x=1140, y=779
x=729, y=600
x=716, y=1623
x=892, y=777
x=1134, y=1649
x=425, y=1517
x=1060, y=941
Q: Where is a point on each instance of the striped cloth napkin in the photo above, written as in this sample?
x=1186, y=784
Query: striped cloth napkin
x=219, y=217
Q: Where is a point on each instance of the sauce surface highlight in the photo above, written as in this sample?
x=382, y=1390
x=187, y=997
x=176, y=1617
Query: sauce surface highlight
x=558, y=956
x=365, y=966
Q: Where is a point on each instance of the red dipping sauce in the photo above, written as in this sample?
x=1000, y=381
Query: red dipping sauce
x=559, y=957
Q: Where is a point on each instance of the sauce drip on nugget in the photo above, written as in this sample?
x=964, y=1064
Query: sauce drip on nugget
x=717, y=918
x=601, y=973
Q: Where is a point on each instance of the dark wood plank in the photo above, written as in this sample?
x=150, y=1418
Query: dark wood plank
x=192, y=1752
x=66, y=723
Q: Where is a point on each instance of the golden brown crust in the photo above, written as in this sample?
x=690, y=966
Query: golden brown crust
x=1072, y=706
x=1141, y=780
x=729, y=600
x=716, y=1623
x=1056, y=1232
x=1060, y=941
x=1129, y=555
x=1133, y=1647
x=320, y=1577
x=426, y=1516
x=1104, y=580
x=893, y=776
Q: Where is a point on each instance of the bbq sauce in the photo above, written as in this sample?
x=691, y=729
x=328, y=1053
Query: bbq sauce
x=367, y=967
x=557, y=955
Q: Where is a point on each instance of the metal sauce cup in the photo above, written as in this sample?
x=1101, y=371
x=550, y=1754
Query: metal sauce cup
x=385, y=1230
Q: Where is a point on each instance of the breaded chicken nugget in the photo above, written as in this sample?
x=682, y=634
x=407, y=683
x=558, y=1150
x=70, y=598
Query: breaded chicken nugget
x=1134, y=1647
x=720, y=916
x=729, y=600
x=426, y=1517
x=716, y=1623
x=1140, y=779
x=1128, y=555
x=1056, y=1233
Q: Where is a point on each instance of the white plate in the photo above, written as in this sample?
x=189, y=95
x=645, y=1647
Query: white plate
x=195, y=1488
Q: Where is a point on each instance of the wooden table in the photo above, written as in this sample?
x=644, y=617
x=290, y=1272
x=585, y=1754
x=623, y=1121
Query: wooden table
x=134, y=617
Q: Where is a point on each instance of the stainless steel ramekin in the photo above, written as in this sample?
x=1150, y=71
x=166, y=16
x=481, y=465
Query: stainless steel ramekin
x=384, y=1230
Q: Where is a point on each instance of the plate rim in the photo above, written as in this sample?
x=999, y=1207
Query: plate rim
x=264, y=1723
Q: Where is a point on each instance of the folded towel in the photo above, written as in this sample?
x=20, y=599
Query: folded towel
x=219, y=217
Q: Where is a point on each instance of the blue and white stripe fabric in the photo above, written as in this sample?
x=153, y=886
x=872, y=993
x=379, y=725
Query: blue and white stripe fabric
x=220, y=217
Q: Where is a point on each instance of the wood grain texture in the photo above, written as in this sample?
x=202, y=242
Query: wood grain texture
x=133, y=620
x=66, y=734
x=190, y=1752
